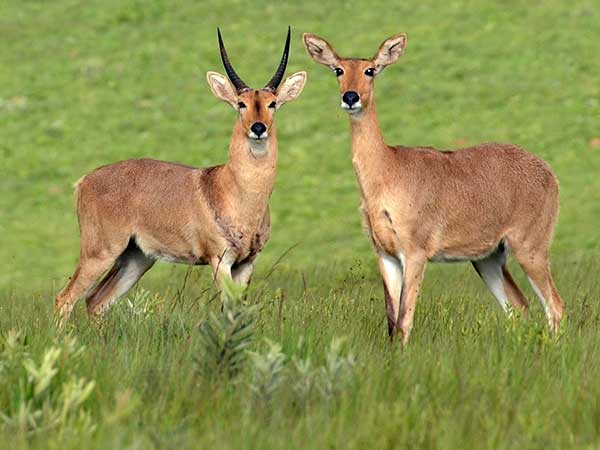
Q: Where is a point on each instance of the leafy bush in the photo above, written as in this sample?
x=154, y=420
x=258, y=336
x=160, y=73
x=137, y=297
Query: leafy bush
x=337, y=371
x=225, y=337
x=305, y=378
x=307, y=382
x=47, y=395
x=268, y=373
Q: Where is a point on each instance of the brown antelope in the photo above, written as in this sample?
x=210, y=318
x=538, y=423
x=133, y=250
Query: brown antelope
x=134, y=212
x=419, y=204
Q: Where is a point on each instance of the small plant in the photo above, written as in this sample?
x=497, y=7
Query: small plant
x=14, y=349
x=41, y=401
x=304, y=380
x=303, y=375
x=307, y=381
x=268, y=373
x=225, y=337
x=337, y=371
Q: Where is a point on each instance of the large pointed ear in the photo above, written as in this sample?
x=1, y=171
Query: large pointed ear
x=389, y=51
x=291, y=88
x=222, y=88
x=320, y=50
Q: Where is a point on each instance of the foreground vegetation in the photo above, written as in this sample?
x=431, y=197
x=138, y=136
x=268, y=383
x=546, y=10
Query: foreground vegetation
x=84, y=84
x=470, y=378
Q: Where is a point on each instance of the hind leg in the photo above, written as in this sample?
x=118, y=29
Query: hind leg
x=86, y=275
x=127, y=270
x=515, y=295
x=536, y=265
x=494, y=272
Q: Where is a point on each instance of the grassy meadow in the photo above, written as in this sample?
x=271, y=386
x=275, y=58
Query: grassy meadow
x=83, y=84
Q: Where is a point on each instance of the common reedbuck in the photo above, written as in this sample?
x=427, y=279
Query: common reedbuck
x=134, y=212
x=419, y=204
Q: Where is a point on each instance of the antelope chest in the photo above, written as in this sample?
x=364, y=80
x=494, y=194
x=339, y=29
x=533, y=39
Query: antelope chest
x=246, y=241
x=380, y=228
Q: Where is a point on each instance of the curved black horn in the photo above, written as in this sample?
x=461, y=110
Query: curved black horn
x=276, y=80
x=233, y=77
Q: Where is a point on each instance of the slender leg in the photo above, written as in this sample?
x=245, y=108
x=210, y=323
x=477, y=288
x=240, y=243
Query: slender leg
x=221, y=266
x=537, y=267
x=127, y=270
x=242, y=273
x=515, y=295
x=494, y=272
x=88, y=271
x=391, y=271
x=413, y=276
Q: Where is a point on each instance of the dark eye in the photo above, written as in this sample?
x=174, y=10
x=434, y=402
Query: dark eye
x=338, y=72
x=272, y=105
x=370, y=72
x=241, y=105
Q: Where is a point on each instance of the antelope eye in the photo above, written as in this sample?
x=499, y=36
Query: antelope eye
x=272, y=105
x=370, y=72
x=241, y=105
x=338, y=72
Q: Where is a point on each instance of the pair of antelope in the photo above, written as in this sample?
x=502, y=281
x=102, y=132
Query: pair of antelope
x=418, y=204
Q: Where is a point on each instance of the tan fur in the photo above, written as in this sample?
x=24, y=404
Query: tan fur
x=134, y=212
x=421, y=204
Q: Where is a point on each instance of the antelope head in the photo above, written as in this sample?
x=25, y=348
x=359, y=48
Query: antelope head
x=355, y=75
x=256, y=107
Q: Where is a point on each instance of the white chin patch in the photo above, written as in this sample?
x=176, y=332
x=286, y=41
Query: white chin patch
x=258, y=147
x=357, y=107
x=252, y=135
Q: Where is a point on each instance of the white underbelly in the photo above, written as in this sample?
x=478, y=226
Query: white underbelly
x=448, y=258
x=157, y=252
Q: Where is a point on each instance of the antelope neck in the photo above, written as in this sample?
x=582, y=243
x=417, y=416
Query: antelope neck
x=252, y=173
x=369, y=151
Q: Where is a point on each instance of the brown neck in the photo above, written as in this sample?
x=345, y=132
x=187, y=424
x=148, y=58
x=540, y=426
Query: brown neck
x=369, y=151
x=252, y=167
x=366, y=133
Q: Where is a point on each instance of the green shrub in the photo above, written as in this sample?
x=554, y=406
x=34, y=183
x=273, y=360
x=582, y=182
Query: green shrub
x=268, y=373
x=48, y=394
x=225, y=336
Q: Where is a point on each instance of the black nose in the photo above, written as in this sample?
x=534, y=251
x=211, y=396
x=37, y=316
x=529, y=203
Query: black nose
x=350, y=98
x=258, y=128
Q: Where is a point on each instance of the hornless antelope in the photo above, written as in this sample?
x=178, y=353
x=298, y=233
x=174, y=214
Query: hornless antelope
x=134, y=212
x=419, y=204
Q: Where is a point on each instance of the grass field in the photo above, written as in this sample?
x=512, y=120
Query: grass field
x=84, y=84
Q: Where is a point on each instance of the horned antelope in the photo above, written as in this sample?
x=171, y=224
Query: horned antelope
x=419, y=204
x=134, y=212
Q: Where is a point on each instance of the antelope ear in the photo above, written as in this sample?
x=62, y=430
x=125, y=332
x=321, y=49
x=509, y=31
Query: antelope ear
x=222, y=88
x=389, y=51
x=291, y=88
x=320, y=50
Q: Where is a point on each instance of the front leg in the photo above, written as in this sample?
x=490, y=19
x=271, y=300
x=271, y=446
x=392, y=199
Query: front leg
x=391, y=269
x=221, y=266
x=413, y=275
x=242, y=273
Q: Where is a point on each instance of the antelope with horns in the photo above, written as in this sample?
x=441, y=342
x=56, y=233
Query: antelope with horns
x=419, y=204
x=134, y=212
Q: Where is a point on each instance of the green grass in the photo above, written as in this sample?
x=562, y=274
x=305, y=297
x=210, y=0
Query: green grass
x=470, y=378
x=84, y=84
